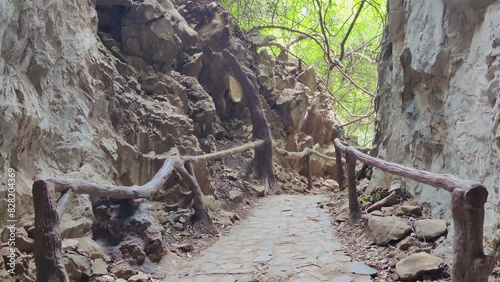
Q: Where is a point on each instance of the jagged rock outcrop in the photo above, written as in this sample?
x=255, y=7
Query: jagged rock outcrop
x=72, y=107
x=438, y=105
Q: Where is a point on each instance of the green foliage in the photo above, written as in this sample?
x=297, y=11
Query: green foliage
x=289, y=19
x=369, y=199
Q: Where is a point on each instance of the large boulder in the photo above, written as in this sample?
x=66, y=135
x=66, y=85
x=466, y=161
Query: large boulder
x=386, y=229
x=430, y=229
x=91, y=248
x=321, y=123
x=411, y=267
x=308, y=77
x=292, y=107
x=155, y=31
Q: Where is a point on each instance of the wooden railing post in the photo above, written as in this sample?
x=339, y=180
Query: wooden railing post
x=203, y=222
x=48, y=250
x=354, y=209
x=469, y=261
x=308, y=157
x=340, y=169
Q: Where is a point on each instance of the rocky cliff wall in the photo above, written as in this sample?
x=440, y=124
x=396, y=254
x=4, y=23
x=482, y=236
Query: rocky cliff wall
x=104, y=90
x=438, y=105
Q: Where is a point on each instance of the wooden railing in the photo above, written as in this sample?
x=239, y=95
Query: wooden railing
x=48, y=212
x=467, y=203
x=468, y=197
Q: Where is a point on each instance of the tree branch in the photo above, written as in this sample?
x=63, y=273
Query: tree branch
x=342, y=44
x=358, y=118
x=354, y=83
x=292, y=30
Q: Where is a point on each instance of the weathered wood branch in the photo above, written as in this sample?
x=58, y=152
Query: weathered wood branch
x=370, y=113
x=328, y=158
x=305, y=34
x=48, y=250
x=147, y=190
x=285, y=153
x=306, y=154
x=445, y=181
x=224, y=153
x=342, y=44
x=354, y=208
x=263, y=158
x=63, y=202
x=115, y=191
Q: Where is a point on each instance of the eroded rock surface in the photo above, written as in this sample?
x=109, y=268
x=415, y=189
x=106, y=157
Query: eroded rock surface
x=105, y=93
x=438, y=106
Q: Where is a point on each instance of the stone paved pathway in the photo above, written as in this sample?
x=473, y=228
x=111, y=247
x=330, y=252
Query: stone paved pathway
x=285, y=238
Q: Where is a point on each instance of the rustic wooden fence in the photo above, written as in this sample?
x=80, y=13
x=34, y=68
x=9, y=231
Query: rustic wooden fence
x=468, y=197
x=470, y=264
x=48, y=212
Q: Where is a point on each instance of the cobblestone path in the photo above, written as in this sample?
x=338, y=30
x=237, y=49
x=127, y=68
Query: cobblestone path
x=285, y=238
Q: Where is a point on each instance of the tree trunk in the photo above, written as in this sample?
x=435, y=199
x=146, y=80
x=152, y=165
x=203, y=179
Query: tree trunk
x=48, y=249
x=263, y=158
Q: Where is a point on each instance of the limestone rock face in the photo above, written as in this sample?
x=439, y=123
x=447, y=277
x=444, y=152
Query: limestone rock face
x=321, y=123
x=155, y=31
x=438, y=106
x=99, y=90
x=308, y=77
x=70, y=105
x=292, y=107
x=75, y=104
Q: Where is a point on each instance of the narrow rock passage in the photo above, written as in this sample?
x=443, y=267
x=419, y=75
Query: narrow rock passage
x=285, y=238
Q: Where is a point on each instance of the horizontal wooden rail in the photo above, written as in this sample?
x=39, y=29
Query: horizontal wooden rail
x=224, y=153
x=117, y=191
x=147, y=190
x=306, y=154
x=445, y=181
